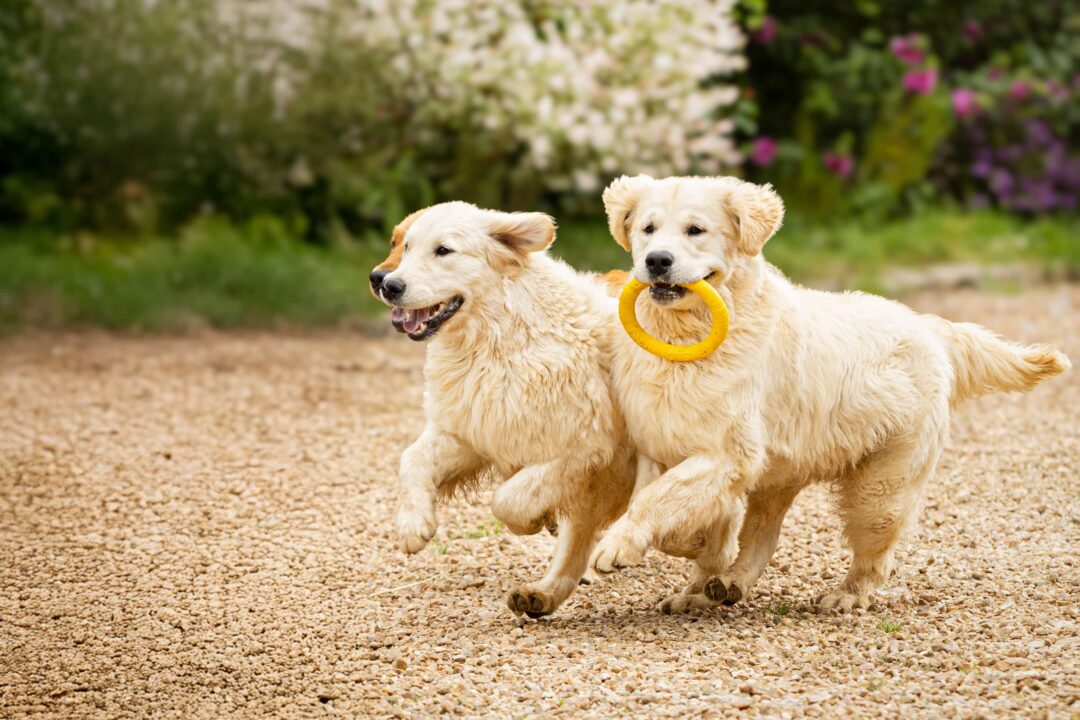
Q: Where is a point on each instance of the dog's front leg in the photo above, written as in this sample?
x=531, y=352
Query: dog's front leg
x=698, y=493
x=647, y=472
x=425, y=465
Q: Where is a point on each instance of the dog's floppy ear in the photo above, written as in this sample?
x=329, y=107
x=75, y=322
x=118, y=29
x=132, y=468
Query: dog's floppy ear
x=620, y=199
x=757, y=212
x=397, y=237
x=525, y=232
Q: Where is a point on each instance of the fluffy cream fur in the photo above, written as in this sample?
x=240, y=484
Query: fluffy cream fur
x=809, y=386
x=517, y=383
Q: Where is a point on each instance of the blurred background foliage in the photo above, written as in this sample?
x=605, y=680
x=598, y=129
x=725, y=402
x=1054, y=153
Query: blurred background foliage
x=881, y=109
x=241, y=163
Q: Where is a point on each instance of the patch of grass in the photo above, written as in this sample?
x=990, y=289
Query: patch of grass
x=859, y=254
x=890, y=626
x=439, y=547
x=214, y=272
x=780, y=610
x=259, y=275
x=483, y=531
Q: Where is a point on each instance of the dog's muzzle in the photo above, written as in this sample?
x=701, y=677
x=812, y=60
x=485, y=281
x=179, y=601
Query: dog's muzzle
x=664, y=294
x=422, y=323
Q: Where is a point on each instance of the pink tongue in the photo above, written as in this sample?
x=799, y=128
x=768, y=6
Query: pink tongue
x=414, y=319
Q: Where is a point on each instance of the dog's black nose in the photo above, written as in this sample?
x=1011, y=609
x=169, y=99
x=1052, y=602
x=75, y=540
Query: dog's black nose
x=393, y=288
x=377, y=276
x=659, y=262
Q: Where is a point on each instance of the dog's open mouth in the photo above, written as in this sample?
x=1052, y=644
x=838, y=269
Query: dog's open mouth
x=663, y=294
x=422, y=323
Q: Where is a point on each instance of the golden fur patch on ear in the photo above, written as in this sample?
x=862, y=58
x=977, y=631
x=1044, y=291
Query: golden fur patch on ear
x=525, y=232
x=620, y=199
x=758, y=212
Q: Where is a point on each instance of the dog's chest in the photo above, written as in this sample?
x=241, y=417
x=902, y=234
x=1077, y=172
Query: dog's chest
x=672, y=409
x=515, y=409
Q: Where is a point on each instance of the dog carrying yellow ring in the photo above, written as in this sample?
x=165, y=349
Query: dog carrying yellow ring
x=667, y=351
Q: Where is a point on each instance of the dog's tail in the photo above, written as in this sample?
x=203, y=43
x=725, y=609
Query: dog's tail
x=984, y=362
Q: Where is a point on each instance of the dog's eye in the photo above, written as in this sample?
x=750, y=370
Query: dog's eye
x=694, y=230
x=650, y=229
x=443, y=250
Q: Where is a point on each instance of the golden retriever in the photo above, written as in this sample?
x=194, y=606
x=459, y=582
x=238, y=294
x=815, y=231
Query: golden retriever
x=516, y=384
x=809, y=386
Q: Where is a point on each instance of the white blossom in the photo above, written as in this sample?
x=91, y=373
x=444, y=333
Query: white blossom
x=588, y=88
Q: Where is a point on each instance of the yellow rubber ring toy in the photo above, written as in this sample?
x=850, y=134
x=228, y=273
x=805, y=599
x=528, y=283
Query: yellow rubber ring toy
x=667, y=351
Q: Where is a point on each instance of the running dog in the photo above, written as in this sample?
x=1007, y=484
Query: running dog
x=809, y=386
x=516, y=384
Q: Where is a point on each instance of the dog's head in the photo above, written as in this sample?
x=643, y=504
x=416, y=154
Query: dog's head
x=453, y=256
x=683, y=229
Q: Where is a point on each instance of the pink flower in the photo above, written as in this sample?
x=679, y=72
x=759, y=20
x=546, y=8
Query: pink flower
x=922, y=82
x=964, y=102
x=1019, y=90
x=908, y=48
x=972, y=29
x=763, y=151
x=842, y=165
x=767, y=32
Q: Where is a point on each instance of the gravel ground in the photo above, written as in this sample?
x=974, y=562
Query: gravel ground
x=200, y=527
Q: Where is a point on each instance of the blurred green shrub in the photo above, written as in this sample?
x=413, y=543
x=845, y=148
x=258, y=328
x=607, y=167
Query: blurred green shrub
x=255, y=274
x=345, y=115
x=127, y=113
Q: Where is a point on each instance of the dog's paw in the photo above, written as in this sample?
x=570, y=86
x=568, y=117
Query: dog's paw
x=528, y=527
x=845, y=601
x=414, y=530
x=615, y=551
x=728, y=592
x=682, y=602
x=518, y=520
x=530, y=601
x=589, y=578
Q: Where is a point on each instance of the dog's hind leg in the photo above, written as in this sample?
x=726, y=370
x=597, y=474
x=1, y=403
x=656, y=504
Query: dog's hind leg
x=879, y=502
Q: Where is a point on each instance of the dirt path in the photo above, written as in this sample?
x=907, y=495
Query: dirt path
x=201, y=527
